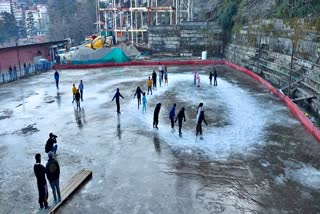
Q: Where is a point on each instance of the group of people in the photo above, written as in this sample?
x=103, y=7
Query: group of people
x=13, y=74
x=52, y=168
x=196, y=78
x=51, y=171
x=77, y=94
x=181, y=117
x=173, y=119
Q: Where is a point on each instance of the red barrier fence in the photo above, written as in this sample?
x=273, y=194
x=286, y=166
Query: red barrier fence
x=291, y=105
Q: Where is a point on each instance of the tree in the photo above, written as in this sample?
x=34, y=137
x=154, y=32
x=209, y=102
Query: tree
x=71, y=19
x=31, y=29
x=8, y=27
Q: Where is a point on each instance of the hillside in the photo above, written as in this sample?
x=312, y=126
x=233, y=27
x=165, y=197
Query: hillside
x=228, y=12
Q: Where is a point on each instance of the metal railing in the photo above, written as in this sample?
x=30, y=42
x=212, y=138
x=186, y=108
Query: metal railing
x=29, y=70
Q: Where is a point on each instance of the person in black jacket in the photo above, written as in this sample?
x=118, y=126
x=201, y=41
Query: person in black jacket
x=78, y=96
x=215, y=75
x=154, y=79
x=51, y=145
x=39, y=172
x=210, y=77
x=53, y=174
x=180, y=117
x=117, y=96
x=138, y=94
x=156, y=115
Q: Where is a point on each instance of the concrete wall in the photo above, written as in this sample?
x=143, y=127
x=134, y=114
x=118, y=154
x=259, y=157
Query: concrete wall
x=189, y=37
x=266, y=46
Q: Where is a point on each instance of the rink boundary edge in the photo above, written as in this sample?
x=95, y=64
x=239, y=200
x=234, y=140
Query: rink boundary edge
x=289, y=103
x=295, y=110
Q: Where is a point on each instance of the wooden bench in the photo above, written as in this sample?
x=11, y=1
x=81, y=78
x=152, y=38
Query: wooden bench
x=72, y=185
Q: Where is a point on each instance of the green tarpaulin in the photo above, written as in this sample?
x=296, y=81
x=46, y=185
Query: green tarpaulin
x=115, y=55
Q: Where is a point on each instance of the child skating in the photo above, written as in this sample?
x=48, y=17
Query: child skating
x=144, y=102
x=149, y=84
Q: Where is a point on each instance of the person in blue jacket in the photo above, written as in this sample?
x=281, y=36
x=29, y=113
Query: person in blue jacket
x=117, y=96
x=56, y=77
x=81, y=89
x=172, y=114
x=144, y=102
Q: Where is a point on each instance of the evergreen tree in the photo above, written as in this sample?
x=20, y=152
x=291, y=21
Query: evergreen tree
x=8, y=27
x=31, y=29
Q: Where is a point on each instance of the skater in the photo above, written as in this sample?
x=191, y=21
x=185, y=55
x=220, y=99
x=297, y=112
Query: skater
x=53, y=173
x=160, y=78
x=161, y=72
x=138, y=94
x=56, y=77
x=40, y=171
x=117, y=96
x=81, y=89
x=195, y=75
x=51, y=145
x=172, y=114
x=198, y=80
x=180, y=117
x=77, y=97
x=200, y=118
x=210, y=78
x=215, y=75
x=154, y=79
x=149, y=84
x=144, y=102
x=156, y=115
x=74, y=91
x=166, y=76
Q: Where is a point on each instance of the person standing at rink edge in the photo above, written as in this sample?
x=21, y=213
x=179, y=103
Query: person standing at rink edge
x=40, y=173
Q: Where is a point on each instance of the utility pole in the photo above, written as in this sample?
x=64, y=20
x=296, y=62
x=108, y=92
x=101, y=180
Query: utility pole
x=258, y=67
x=18, y=56
x=290, y=74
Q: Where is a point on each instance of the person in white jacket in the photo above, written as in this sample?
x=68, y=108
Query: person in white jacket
x=200, y=118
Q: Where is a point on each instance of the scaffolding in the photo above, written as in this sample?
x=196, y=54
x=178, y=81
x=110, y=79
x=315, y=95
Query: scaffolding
x=130, y=20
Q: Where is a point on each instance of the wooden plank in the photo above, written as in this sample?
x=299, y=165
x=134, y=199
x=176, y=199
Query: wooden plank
x=292, y=83
x=71, y=186
x=304, y=98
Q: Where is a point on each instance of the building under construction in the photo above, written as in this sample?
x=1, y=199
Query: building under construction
x=130, y=20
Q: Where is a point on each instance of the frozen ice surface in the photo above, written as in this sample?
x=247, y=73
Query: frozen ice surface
x=255, y=157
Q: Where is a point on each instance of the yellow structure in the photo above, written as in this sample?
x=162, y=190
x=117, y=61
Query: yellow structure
x=96, y=43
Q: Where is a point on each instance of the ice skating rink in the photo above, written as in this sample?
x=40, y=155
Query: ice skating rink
x=255, y=157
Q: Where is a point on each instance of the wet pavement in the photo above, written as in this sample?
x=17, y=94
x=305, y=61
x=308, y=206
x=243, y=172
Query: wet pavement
x=255, y=157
